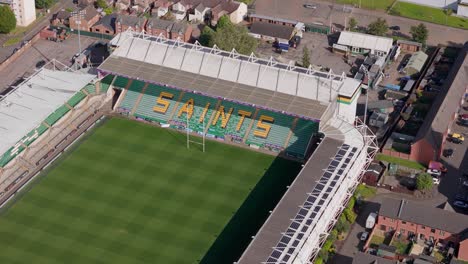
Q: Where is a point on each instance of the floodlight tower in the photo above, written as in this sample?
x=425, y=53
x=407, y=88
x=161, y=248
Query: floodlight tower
x=78, y=15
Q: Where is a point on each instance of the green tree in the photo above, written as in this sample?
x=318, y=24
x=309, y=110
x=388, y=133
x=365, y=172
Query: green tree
x=235, y=37
x=305, y=57
x=7, y=19
x=108, y=10
x=352, y=24
x=224, y=21
x=350, y=215
x=44, y=3
x=419, y=33
x=101, y=3
x=378, y=27
x=207, y=36
x=424, y=182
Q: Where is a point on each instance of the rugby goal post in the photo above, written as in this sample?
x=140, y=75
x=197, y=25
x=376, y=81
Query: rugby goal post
x=187, y=128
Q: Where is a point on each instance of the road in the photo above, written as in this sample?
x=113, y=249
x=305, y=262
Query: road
x=40, y=23
x=326, y=14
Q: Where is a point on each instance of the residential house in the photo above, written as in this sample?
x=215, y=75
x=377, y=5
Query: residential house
x=105, y=25
x=182, y=31
x=161, y=7
x=271, y=32
x=179, y=9
x=236, y=11
x=199, y=13
x=87, y=17
x=156, y=27
x=431, y=137
x=124, y=22
x=409, y=219
x=169, y=29
x=123, y=4
x=61, y=18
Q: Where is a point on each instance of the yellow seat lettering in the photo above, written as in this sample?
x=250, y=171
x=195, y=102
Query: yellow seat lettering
x=224, y=117
x=243, y=114
x=205, y=110
x=263, y=129
x=163, y=105
x=187, y=108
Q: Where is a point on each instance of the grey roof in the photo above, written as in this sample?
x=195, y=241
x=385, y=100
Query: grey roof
x=380, y=104
x=416, y=61
x=89, y=12
x=273, y=18
x=268, y=236
x=363, y=258
x=179, y=27
x=402, y=41
x=424, y=215
x=62, y=14
x=130, y=20
x=107, y=21
x=160, y=23
x=214, y=87
x=272, y=30
x=445, y=105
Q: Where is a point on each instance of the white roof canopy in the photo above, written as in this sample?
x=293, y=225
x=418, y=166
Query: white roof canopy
x=365, y=41
x=25, y=107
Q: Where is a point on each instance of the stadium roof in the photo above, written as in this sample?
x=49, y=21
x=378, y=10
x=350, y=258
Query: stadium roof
x=227, y=75
x=25, y=107
x=365, y=41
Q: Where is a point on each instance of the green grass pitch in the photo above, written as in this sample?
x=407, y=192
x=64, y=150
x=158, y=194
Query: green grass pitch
x=132, y=193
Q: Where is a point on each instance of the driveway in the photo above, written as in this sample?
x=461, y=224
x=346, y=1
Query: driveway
x=327, y=14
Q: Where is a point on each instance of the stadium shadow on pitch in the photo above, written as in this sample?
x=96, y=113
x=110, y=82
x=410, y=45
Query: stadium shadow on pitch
x=245, y=223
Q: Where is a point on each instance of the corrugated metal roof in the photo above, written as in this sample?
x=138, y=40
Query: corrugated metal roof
x=365, y=41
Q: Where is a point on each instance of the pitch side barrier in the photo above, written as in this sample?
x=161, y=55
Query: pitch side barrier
x=72, y=138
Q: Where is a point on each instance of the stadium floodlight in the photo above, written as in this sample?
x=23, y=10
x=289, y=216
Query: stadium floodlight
x=79, y=15
x=187, y=128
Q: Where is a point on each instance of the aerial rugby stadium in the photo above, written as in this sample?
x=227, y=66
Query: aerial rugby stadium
x=172, y=152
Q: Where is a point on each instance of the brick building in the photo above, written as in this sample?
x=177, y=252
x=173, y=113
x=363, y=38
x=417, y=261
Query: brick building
x=106, y=25
x=169, y=29
x=89, y=16
x=124, y=22
x=410, y=219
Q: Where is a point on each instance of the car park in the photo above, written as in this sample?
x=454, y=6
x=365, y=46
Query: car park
x=460, y=204
x=364, y=236
x=448, y=153
x=434, y=173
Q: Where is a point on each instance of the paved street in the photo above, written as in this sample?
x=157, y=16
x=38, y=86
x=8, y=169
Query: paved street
x=326, y=14
x=42, y=50
x=40, y=24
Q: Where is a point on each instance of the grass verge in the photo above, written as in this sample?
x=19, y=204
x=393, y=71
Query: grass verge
x=402, y=162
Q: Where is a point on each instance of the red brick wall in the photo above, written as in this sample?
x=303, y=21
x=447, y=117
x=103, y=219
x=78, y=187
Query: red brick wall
x=423, y=152
x=463, y=250
x=157, y=31
x=403, y=227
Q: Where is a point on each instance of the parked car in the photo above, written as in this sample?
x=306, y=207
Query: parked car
x=395, y=28
x=457, y=138
x=370, y=222
x=463, y=117
x=434, y=173
x=460, y=204
x=462, y=197
x=448, y=153
x=435, y=181
x=310, y=6
x=364, y=236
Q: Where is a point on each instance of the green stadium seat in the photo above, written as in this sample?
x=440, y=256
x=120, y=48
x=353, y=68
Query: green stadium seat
x=76, y=99
x=179, y=119
x=120, y=82
x=150, y=109
x=279, y=131
x=233, y=128
x=55, y=116
x=300, y=138
x=91, y=89
x=134, y=91
x=106, y=82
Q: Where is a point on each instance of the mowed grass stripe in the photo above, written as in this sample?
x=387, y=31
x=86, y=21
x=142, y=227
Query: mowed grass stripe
x=132, y=193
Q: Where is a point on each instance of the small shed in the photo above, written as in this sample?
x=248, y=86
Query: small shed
x=409, y=46
x=378, y=119
x=271, y=32
x=415, y=63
